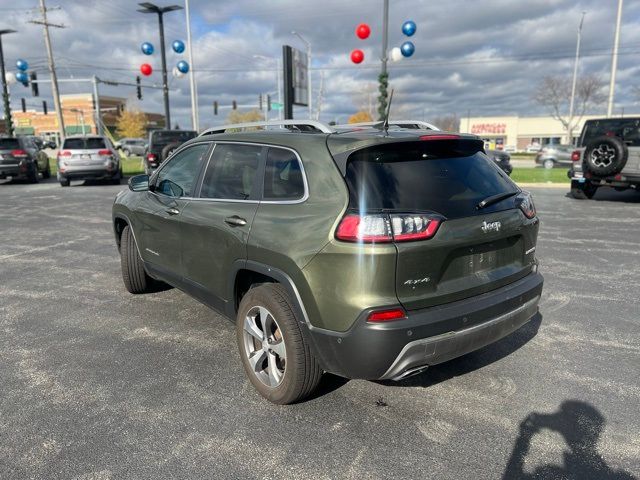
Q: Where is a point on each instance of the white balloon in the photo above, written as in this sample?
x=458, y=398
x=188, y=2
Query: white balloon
x=10, y=77
x=396, y=54
x=177, y=73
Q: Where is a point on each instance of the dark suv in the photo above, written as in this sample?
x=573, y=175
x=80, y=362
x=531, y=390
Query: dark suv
x=608, y=155
x=369, y=254
x=22, y=157
x=161, y=144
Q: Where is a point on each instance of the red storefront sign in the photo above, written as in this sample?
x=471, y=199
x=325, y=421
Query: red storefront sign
x=478, y=128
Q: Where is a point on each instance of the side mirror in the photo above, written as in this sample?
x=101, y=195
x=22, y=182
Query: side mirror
x=139, y=183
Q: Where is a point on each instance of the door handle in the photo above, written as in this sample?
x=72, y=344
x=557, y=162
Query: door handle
x=173, y=211
x=235, y=221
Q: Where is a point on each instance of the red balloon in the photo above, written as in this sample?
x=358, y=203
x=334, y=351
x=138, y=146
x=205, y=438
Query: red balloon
x=357, y=56
x=363, y=31
x=146, y=69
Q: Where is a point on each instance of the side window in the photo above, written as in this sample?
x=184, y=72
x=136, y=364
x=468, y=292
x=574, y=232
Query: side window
x=232, y=172
x=177, y=178
x=283, y=176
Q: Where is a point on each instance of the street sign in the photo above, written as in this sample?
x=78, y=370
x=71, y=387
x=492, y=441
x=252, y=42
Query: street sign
x=276, y=106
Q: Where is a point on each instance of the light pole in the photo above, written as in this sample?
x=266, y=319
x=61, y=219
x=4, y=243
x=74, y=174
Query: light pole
x=192, y=76
x=614, y=60
x=384, y=75
x=160, y=11
x=575, y=79
x=278, y=69
x=308, y=44
x=5, y=90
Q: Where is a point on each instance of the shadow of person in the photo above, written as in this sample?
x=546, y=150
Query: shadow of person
x=581, y=425
x=474, y=360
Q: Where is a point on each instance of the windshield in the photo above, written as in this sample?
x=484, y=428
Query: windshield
x=449, y=178
x=89, y=143
x=9, y=144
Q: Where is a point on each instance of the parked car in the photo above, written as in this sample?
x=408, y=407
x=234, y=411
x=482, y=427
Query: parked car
x=555, y=156
x=131, y=146
x=88, y=157
x=502, y=159
x=365, y=255
x=20, y=157
x=533, y=148
x=162, y=143
x=608, y=155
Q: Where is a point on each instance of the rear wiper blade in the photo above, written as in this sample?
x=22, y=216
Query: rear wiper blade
x=495, y=199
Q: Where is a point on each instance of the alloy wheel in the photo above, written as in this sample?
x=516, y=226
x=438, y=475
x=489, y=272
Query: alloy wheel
x=264, y=346
x=603, y=156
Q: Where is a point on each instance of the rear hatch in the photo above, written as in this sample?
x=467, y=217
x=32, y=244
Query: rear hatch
x=11, y=152
x=426, y=197
x=85, y=151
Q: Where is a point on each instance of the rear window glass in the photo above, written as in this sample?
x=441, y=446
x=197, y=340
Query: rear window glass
x=9, y=143
x=449, y=178
x=91, y=143
x=283, y=176
x=627, y=129
x=172, y=136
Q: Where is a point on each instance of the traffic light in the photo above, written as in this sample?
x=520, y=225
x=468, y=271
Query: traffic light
x=24, y=105
x=260, y=101
x=44, y=107
x=234, y=105
x=268, y=103
x=215, y=108
x=138, y=88
x=34, y=84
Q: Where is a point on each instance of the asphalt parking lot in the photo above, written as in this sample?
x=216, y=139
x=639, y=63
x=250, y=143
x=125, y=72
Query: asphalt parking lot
x=100, y=384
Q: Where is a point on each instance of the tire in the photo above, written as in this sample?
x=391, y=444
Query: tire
x=298, y=375
x=47, y=173
x=134, y=276
x=65, y=182
x=167, y=151
x=583, y=191
x=116, y=180
x=605, y=156
x=32, y=176
x=548, y=164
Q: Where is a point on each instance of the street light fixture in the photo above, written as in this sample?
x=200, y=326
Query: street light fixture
x=308, y=44
x=5, y=89
x=148, y=7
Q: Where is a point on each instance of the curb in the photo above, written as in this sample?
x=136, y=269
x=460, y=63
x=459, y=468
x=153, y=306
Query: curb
x=545, y=185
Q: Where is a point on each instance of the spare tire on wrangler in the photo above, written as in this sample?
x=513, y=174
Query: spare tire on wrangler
x=168, y=150
x=605, y=156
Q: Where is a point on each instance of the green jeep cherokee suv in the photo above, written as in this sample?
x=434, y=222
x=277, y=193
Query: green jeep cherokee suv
x=369, y=253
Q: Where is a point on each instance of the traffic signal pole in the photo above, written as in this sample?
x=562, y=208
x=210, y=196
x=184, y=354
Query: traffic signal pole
x=5, y=90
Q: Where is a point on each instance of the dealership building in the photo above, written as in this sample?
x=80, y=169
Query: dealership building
x=518, y=133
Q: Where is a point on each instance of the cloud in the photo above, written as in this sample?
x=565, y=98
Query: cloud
x=485, y=56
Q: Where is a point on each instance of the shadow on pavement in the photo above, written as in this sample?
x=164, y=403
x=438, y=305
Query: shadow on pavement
x=581, y=425
x=608, y=194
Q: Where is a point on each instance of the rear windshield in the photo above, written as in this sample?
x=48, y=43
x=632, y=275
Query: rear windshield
x=9, y=144
x=625, y=128
x=91, y=143
x=172, y=136
x=449, y=178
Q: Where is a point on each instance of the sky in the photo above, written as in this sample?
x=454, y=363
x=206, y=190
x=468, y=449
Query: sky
x=483, y=57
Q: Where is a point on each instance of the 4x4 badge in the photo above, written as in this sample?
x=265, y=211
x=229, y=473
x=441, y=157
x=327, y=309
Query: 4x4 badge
x=491, y=226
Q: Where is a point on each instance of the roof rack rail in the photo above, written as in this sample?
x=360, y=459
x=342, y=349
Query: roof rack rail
x=410, y=124
x=310, y=125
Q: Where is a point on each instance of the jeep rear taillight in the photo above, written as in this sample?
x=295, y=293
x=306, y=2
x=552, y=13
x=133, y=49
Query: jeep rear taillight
x=105, y=153
x=19, y=153
x=384, y=228
x=575, y=156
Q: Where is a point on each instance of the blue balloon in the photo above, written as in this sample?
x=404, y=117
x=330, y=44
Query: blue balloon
x=407, y=49
x=409, y=28
x=22, y=77
x=178, y=46
x=182, y=66
x=22, y=65
x=146, y=48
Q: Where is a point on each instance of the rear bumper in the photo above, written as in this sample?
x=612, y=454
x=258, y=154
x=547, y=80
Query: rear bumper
x=430, y=336
x=86, y=174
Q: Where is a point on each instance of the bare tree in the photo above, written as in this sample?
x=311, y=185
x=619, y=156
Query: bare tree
x=448, y=123
x=555, y=94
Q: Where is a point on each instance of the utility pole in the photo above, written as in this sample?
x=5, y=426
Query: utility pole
x=192, y=72
x=5, y=90
x=384, y=76
x=52, y=66
x=160, y=11
x=96, y=95
x=320, y=95
x=575, y=80
x=614, y=61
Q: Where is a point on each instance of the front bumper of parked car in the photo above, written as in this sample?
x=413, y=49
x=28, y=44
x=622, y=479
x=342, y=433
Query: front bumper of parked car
x=395, y=350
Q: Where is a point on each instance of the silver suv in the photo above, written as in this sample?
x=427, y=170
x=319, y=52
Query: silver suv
x=555, y=155
x=88, y=157
x=608, y=155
